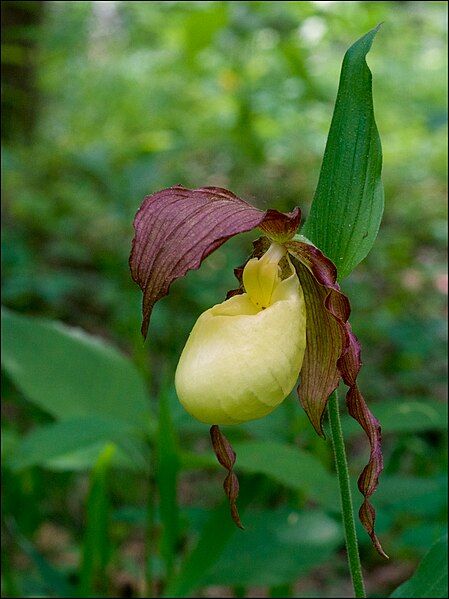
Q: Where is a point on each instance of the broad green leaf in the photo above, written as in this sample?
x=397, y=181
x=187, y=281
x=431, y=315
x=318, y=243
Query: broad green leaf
x=413, y=495
x=347, y=207
x=76, y=444
x=289, y=466
x=276, y=548
x=400, y=490
x=404, y=416
x=421, y=535
x=430, y=579
x=200, y=27
x=70, y=374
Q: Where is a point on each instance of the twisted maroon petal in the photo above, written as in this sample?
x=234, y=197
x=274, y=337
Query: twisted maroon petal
x=177, y=228
x=226, y=456
x=333, y=351
x=349, y=365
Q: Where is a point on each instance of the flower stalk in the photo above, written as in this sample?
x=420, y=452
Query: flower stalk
x=347, y=509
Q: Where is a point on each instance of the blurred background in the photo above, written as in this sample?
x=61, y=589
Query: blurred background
x=106, y=102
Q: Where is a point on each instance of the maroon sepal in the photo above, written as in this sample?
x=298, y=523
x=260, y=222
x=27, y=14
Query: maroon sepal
x=177, y=228
x=226, y=456
x=333, y=352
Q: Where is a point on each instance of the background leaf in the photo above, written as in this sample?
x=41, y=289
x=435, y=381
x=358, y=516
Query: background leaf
x=430, y=579
x=404, y=417
x=213, y=538
x=288, y=465
x=75, y=444
x=52, y=581
x=276, y=547
x=348, y=204
x=71, y=374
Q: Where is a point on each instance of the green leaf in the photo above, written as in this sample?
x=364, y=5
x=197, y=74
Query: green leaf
x=276, y=547
x=404, y=417
x=289, y=466
x=347, y=207
x=214, y=536
x=412, y=494
x=76, y=444
x=430, y=579
x=70, y=374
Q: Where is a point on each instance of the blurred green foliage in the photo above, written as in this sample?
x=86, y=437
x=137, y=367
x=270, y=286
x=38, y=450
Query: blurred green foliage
x=105, y=102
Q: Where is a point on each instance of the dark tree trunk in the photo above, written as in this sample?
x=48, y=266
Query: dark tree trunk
x=20, y=22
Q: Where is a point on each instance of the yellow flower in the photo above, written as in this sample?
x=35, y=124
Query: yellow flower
x=243, y=356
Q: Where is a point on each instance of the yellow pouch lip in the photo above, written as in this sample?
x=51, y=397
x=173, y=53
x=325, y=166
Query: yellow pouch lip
x=234, y=370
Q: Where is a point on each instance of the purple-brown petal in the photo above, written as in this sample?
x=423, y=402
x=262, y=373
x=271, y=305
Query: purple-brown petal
x=326, y=337
x=281, y=227
x=357, y=408
x=324, y=345
x=177, y=228
x=328, y=326
x=226, y=456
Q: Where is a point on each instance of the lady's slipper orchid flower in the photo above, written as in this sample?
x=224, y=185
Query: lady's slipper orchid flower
x=243, y=356
x=287, y=319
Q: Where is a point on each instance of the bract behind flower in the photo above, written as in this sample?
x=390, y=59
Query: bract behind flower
x=244, y=355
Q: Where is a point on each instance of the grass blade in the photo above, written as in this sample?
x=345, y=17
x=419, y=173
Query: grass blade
x=96, y=549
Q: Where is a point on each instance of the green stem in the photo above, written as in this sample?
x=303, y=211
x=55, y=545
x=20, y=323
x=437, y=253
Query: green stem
x=149, y=536
x=341, y=463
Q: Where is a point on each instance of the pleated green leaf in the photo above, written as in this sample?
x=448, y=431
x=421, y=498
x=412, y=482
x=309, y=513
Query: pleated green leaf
x=347, y=208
